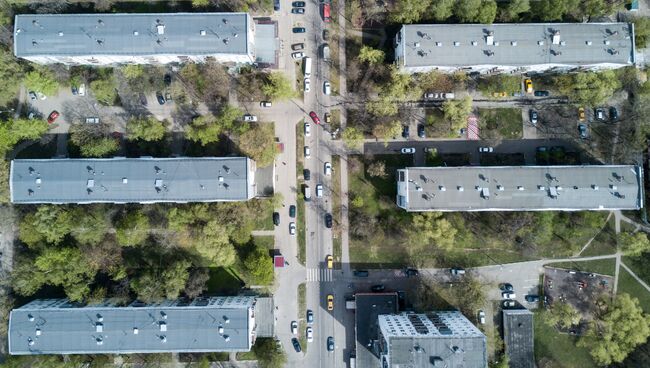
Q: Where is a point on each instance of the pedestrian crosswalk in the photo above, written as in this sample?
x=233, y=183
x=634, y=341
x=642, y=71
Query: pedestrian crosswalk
x=319, y=274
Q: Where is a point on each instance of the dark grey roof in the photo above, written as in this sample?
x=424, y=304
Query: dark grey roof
x=368, y=308
x=132, y=180
x=131, y=34
x=518, y=337
x=523, y=188
x=264, y=317
x=59, y=327
x=518, y=44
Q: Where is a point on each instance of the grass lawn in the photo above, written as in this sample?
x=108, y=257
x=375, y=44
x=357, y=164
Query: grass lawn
x=224, y=281
x=302, y=313
x=265, y=222
x=300, y=79
x=500, y=123
x=248, y=355
x=300, y=200
x=336, y=119
x=560, y=348
x=604, y=243
x=336, y=207
x=627, y=284
x=267, y=242
x=437, y=126
x=601, y=266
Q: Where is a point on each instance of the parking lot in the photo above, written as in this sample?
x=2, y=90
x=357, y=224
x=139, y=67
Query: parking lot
x=577, y=288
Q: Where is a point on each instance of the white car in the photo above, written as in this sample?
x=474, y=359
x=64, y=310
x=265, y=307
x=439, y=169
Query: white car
x=307, y=85
x=508, y=295
x=298, y=55
x=292, y=228
x=485, y=149
x=328, y=169
x=294, y=327
x=307, y=152
x=327, y=88
x=266, y=104
x=407, y=150
x=319, y=190
x=82, y=89
x=431, y=96
x=307, y=129
x=310, y=334
x=481, y=317
x=249, y=117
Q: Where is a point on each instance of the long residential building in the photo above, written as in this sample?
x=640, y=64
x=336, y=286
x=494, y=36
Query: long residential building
x=520, y=188
x=524, y=48
x=132, y=180
x=58, y=326
x=159, y=38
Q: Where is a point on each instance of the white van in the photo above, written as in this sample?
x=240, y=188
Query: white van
x=307, y=66
x=307, y=193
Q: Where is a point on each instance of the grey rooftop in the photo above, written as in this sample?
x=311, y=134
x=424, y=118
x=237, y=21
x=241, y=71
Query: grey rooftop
x=131, y=34
x=522, y=44
x=132, y=180
x=520, y=188
x=518, y=337
x=56, y=326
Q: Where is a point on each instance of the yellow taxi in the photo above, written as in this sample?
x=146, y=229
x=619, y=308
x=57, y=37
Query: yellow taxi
x=528, y=84
x=330, y=302
x=581, y=114
x=330, y=262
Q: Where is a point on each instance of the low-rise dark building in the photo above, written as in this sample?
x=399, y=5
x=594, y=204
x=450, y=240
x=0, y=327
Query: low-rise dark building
x=518, y=337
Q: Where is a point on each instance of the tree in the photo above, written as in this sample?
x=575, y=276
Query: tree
x=441, y=9
x=207, y=129
x=589, y=88
x=408, y=11
x=377, y=169
x=145, y=128
x=11, y=75
x=104, y=90
x=133, y=72
x=431, y=228
x=258, y=143
x=49, y=223
x=68, y=268
x=268, y=354
x=457, y=111
x=197, y=282
x=512, y=11
x=278, y=87
x=28, y=129
x=487, y=12
x=200, y=3
x=400, y=87
x=467, y=295
x=90, y=224
x=641, y=32
x=387, y=130
x=371, y=55
x=25, y=278
x=562, y=314
x=633, y=244
x=352, y=137
x=158, y=283
x=259, y=266
x=467, y=11
x=549, y=10
x=620, y=326
x=132, y=229
x=42, y=80
x=93, y=140
x=213, y=244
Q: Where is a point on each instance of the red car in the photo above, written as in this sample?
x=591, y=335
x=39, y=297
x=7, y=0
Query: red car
x=314, y=117
x=53, y=115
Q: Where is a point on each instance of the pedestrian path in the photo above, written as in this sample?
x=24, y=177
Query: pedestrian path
x=319, y=275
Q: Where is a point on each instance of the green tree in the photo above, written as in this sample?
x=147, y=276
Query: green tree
x=259, y=266
x=133, y=72
x=68, y=268
x=268, y=354
x=562, y=314
x=101, y=147
x=145, y=128
x=377, y=169
x=641, y=32
x=457, y=111
x=157, y=283
x=278, y=87
x=512, y=11
x=633, y=244
x=258, y=143
x=25, y=278
x=11, y=75
x=408, y=11
x=400, y=87
x=213, y=244
x=104, y=90
x=352, y=137
x=93, y=140
x=371, y=55
x=589, y=88
x=42, y=80
x=468, y=295
x=549, y=10
x=207, y=129
x=387, y=130
x=431, y=228
x=620, y=326
x=132, y=229
x=49, y=223
x=487, y=13
x=28, y=129
x=90, y=224
x=200, y=3
x=441, y=9
x=467, y=11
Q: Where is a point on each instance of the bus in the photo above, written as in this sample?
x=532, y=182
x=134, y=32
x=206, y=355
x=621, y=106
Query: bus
x=326, y=13
x=307, y=64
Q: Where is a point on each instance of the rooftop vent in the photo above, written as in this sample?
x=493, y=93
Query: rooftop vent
x=500, y=188
x=220, y=179
x=30, y=342
x=485, y=193
x=594, y=186
x=226, y=337
x=163, y=326
x=417, y=44
x=202, y=32
x=474, y=43
x=125, y=180
x=90, y=183
x=556, y=38
x=513, y=43
x=519, y=187
x=60, y=34
x=30, y=318
x=100, y=22
x=496, y=43
x=99, y=327
x=489, y=39
x=562, y=43
x=38, y=332
x=163, y=314
x=38, y=181
x=442, y=188
x=163, y=339
x=135, y=33
x=541, y=187
x=460, y=188
x=158, y=183
x=456, y=43
x=612, y=187
x=161, y=29
x=221, y=330
x=439, y=44
x=99, y=341
x=606, y=42
x=540, y=43
x=226, y=319
x=135, y=330
x=588, y=43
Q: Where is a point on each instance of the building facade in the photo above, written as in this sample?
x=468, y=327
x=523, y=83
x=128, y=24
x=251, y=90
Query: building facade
x=58, y=326
x=132, y=180
x=514, y=48
x=162, y=38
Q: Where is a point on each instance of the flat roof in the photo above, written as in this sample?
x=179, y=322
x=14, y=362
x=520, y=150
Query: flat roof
x=132, y=180
x=64, y=328
x=368, y=308
x=518, y=337
x=517, y=44
x=521, y=188
x=131, y=34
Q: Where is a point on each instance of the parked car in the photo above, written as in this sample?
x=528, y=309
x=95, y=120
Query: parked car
x=52, y=117
x=292, y=228
x=378, y=288
x=307, y=129
x=328, y=118
x=406, y=132
x=168, y=96
x=298, y=4
x=328, y=169
x=506, y=287
x=32, y=95
x=307, y=85
x=533, y=117
x=306, y=174
x=294, y=327
x=314, y=117
x=508, y=295
x=532, y=298
x=93, y=120
x=486, y=149
x=613, y=114
x=276, y=218
x=307, y=152
x=509, y=303
x=421, y=133
x=319, y=190
x=298, y=46
x=326, y=35
x=360, y=273
x=292, y=211
x=327, y=88
x=266, y=104
x=296, y=345
x=330, y=261
x=298, y=10
x=328, y=220
x=581, y=114
x=41, y=96
x=542, y=93
x=82, y=89
x=310, y=316
x=74, y=90
x=330, y=302
x=431, y=96
x=167, y=79
x=160, y=98
x=310, y=334
x=299, y=30
x=600, y=113
x=276, y=5
x=528, y=86
x=481, y=317
x=411, y=272
x=298, y=55
x=330, y=343
x=582, y=129
x=250, y=117
x=407, y=150
x=456, y=271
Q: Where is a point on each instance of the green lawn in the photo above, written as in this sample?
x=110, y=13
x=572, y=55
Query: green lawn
x=627, y=284
x=604, y=243
x=300, y=200
x=265, y=222
x=437, y=126
x=557, y=347
x=302, y=313
x=500, y=123
x=265, y=241
x=601, y=266
x=336, y=207
x=224, y=281
x=499, y=83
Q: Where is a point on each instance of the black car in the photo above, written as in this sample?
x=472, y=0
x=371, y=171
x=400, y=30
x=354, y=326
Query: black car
x=411, y=272
x=378, y=288
x=298, y=10
x=310, y=316
x=613, y=113
x=306, y=174
x=276, y=218
x=167, y=79
x=533, y=117
x=330, y=343
x=276, y=5
x=298, y=4
x=506, y=287
x=421, y=131
x=326, y=35
x=299, y=30
x=360, y=273
x=532, y=298
x=32, y=95
x=296, y=345
x=75, y=91
x=292, y=211
x=542, y=93
x=582, y=130
x=405, y=131
x=160, y=98
x=328, y=220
